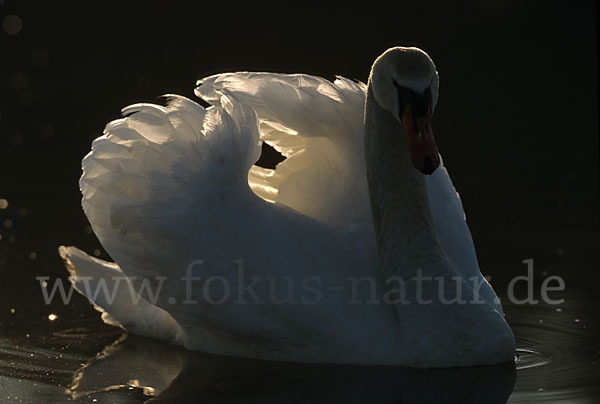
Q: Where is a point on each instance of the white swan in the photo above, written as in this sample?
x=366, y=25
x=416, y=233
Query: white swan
x=289, y=264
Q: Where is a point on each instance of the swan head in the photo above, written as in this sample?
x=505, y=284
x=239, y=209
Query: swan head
x=405, y=83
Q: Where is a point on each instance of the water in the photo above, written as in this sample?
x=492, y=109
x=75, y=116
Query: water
x=558, y=357
x=83, y=360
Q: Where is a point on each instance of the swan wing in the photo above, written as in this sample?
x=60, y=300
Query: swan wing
x=318, y=126
x=166, y=191
x=158, y=165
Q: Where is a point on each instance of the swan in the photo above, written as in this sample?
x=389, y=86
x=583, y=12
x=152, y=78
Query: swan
x=354, y=250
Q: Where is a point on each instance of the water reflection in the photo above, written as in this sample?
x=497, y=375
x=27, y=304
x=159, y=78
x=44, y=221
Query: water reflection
x=130, y=362
x=77, y=358
x=171, y=374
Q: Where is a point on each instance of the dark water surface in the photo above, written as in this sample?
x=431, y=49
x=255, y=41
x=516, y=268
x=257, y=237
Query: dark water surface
x=85, y=361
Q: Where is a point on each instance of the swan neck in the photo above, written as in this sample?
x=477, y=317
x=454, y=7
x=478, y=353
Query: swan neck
x=405, y=234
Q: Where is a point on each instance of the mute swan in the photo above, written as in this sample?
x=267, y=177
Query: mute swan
x=346, y=253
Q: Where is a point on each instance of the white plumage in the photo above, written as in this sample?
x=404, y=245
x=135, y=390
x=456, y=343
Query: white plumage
x=168, y=186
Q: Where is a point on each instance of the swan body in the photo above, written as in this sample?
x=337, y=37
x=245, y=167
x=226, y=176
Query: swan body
x=291, y=264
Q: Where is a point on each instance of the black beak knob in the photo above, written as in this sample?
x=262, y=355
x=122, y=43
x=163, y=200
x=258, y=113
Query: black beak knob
x=428, y=167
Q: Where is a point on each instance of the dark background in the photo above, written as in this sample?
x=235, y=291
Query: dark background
x=516, y=122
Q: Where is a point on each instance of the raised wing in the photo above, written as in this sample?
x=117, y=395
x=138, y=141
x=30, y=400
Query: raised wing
x=166, y=189
x=318, y=126
x=156, y=174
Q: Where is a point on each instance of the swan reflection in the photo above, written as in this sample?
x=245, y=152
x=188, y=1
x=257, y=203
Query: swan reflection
x=168, y=373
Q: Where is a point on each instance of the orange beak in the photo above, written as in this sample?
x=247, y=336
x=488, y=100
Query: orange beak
x=423, y=151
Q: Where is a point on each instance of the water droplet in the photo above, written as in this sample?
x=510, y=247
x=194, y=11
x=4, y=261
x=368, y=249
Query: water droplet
x=8, y=223
x=558, y=310
x=12, y=24
x=12, y=311
x=52, y=317
x=577, y=320
x=32, y=255
x=97, y=252
x=3, y=204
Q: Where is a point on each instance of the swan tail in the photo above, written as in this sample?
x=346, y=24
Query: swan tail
x=318, y=126
x=112, y=293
